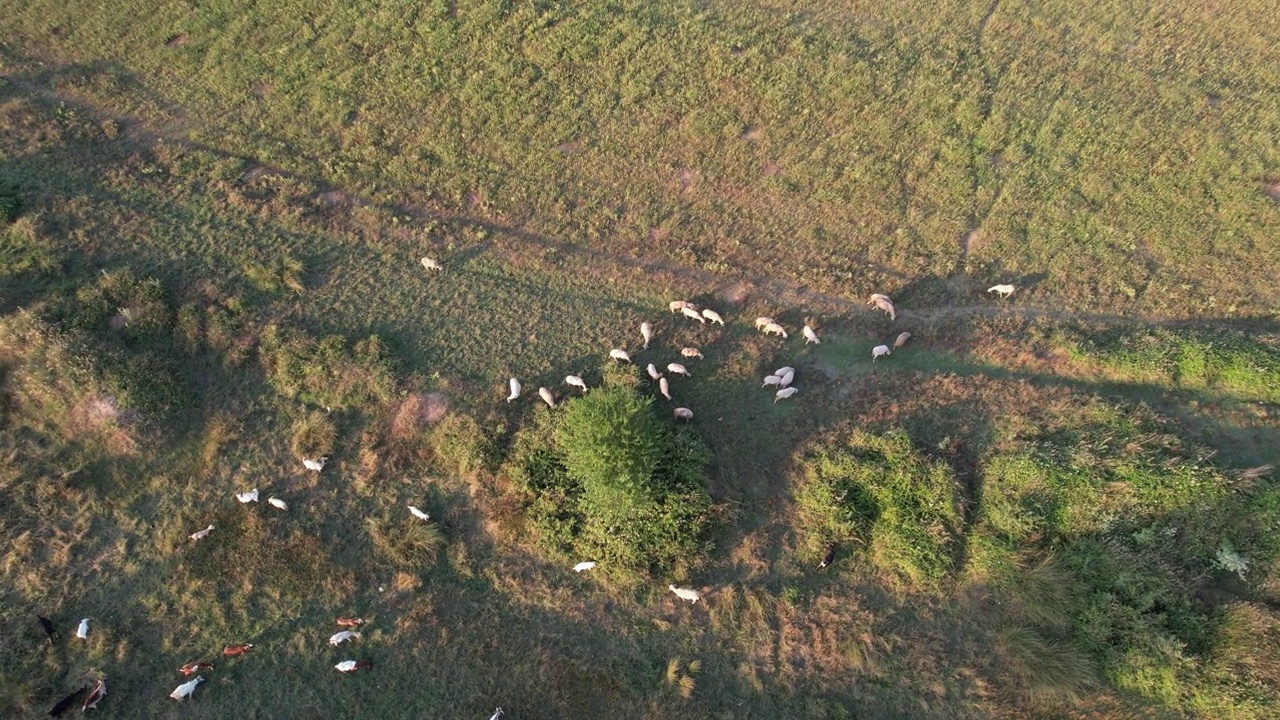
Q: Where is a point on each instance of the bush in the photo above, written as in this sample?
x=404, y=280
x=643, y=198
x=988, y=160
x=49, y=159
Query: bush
x=878, y=493
x=326, y=371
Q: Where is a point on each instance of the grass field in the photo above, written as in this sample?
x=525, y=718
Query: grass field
x=1054, y=505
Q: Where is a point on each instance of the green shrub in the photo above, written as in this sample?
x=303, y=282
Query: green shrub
x=609, y=440
x=326, y=371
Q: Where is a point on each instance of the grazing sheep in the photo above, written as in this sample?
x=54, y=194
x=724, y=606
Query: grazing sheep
x=678, y=369
x=691, y=352
x=547, y=397
x=349, y=622
x=646, y=331
x=345, y=635
x=430, y=264
x=82, y=630
x=619, y=355
x=418, y=513
x=497, y=714
x=248, y=497
x=689, y=594
x=771, y=380
x=784, y=393
x=1003, y=291
x=237, y=650
x=693, y=314
x=664, y=387
x=762, y=321
x=515, y=389
x=184, y=690
x=201, y=534
x=683, y=413
x=786, y=379
x=679, y=305
x=95, y=696
x=277, y=503
x=883, y=303
x=350, y=666
x=902, y=340
x=314, y=465
x=879, y=350
x=653, y=372
x=713, y=316
x=810, y=336
x=588, y=565
x=577, y=382
x=775, y=329
x=194, y=667
x=783, y=370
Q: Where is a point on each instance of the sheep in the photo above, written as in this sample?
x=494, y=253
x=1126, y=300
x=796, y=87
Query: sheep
x=588, y=565
x=95, y=696
x=879, y=350
x=349, y=622
x=664, y=387
x=576, y=381
x=248, y=497
x=783, y=370
x=184, y=690
x=82, y=630
x=237, y=650
x=646, y=331
x=786, y=379
x=683, y=413
x=691, y=352
x=775, y=329
x=713, y=316
x=514, y=384
x=350, y=666
x=276, y=502
x=680, y=305
x=693, y=314
x=497, y=714
x=345, y=635
x=883, y=303
x=201, y=534
x=689, y=594
x=762, y=321
x=619, y=355
x=314, y=465
x=430, y=264
x=653, y=372
x=902, y=340
x=418, y=513
x=771, y=380
x=194, y=667
x=547, y=397
x=678, y=369
x=1003, y=291
x=810, y=336
x=784, y=393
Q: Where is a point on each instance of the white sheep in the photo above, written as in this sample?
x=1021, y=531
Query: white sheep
x=784, y=393
x=775, y=329
x=902, y=340
x=430, y=264
x=693, y=314
x=646, y=331
x=678, y=369
x=682, y=413
x=679, y=305
x=691, y=352
x=786, y=379
x=515, y=389
x=713, y=316
x=810, y=336
x=653, y=372
x=771, y=380
x=884, y=303
x=547, y=397
x=576, y=381
x=248, y=497
x=689, y=594
x=585, y=565
x=277, y=503
x=664, y=387
x=1003, y=291
x=762, y=321
x=619, y=355
x=879, y=350
x=314, y=465
x=783, y=370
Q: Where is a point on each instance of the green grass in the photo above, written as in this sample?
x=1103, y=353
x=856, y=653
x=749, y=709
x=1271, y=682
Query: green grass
x=209, y=270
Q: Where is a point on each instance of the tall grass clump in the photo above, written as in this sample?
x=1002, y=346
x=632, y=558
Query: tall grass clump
x=328, y=371
x=878, y=493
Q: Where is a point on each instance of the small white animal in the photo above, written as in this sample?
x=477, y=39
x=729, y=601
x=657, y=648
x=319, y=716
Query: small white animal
x=82, y=630
x=497, y=714
x=646, y=331
x=576, y=381
x=430, y=264
x=771, y=380
x=786, y=379
x=884, y=303
x=419, y=513
x=547, y=397
x=691, y=352
x=713, y=316
x=276, y=502
x=514, y=384
x=248, y=497
x=683, y=414
x=653, y=372
x=879, y=350
x=350, y=666
x=619, y=355
x=201, y=534
x=692, y=313
x=678, y=369
x=664, y=387
x=588, y=565
x=762, y=321
x=783, y=370
x=1003, y=291
x=315, y=465
x=345, y=635
x=679, y=305
x=689, y=594
x=184, y=690
x=810, y=336
x=784, y=393
x=902, y=340
x=774, y=329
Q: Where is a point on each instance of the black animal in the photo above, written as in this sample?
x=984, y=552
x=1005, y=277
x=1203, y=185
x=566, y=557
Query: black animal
x=65, y=703
x=829, y=557
x=46, y=625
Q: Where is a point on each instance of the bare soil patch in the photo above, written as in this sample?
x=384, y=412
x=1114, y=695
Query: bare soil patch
x=177, y=40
